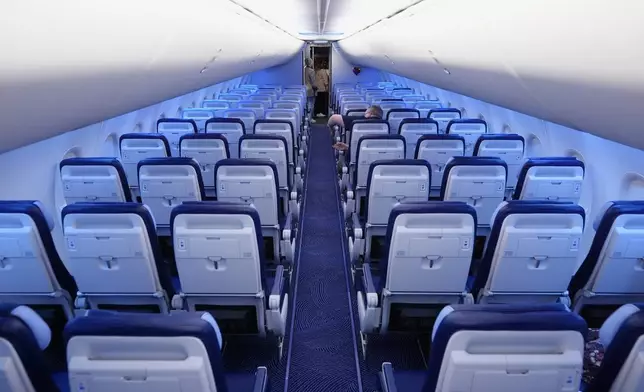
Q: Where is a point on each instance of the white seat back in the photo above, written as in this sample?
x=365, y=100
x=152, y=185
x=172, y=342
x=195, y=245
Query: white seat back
x=424, y=107
x=412, y=130
x=438, y=150
x=431, y=247
x=268, y=147
x=246, y=115
x=410, y=101
x=240, y=91
x=206, y=150
x=267, y=99
x=233, y=99
x=93, y=179
x=256, y=106
x=550, y=179
x=110, y=253
x=135, y=147
x=479, y=182
x=217, y=253
x=199, y=116
x=289, y=115
x=395, y=116
x=278, y=128
x=359, y=105
x=250, y=182
x=394, y=182
x=400, y=92
x=508, y=147
x=387, y=106
x=376, y=148
x=365, y=128
x=168, y=182
x=470, y=129
x=443, y=116
x=173, y=129
x=216, y=104
x=232, y=130
x=535, y=252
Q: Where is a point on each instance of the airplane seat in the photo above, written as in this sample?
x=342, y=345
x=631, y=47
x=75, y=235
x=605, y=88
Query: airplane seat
x=284, y=128
x=24, y=335
x=231, y=128
x=399, y=92
x=232, y=99
x=220, y=259
x=351, y=106
x=240, y=91
x=470, y=128
x=500, y=348
x=424, y=107
x=531, y=253
x=438, y=150
x=348, y=96
x=94, y=179
x=611, y=273
x=218, y=105
x=31, y=270
x=622, y=368
x=165, y=183
x=411, y=100
x=429, y=249
x=289, y=115
x=206, y=149
x=443, y=116
x=256, y=182
x=115, y=258
x=134, y=147
x=413, y=129
x=174, y=352
x=173, y=129
x=256, y=106
x=199, y=116
x=551, y=178
x=246, y=115
x=275, y=149
x=477, y=181
x=371, y=148
x=266, y=98
x=362, y=128
x=395, y=112
x=389, y=183
x=509, y=147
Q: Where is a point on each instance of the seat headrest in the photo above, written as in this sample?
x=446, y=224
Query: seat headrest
x=141, y=210
x=34, y=208
x=111, y=323
x=31, y=319
x=187, y=124
x=616, y=321
x=507, y=208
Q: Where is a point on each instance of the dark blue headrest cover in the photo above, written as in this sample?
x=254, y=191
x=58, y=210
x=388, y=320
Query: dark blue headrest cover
x=178, y=120
x=469, y=161
x=492, y=136
x=443, y=110
x=465, y=121
x=129, y=208
x=31, y=208
x=519, y=317
x=105, y=323
x=148, y=136
x=219, y=120
x=20, y=336
x=544, y=161
x=585, y=271
x=115, y=163
x=511, y=208
x=175, y=161
x=440, y=136
x=205, y=136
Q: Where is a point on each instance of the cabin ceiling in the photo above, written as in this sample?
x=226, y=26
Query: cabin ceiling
x=68, y=64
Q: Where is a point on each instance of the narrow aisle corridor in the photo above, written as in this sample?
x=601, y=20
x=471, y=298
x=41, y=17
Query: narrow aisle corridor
x=322, y=353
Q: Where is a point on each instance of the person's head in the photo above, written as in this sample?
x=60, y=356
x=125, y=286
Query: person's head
x=374, y=111
x=308, y=62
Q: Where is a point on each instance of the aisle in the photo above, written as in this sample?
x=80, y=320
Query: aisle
x=322, y=353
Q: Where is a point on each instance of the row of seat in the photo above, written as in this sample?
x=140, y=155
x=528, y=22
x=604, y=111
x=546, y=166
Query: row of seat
x=503, y=348
x=114, y=261
x=110, y=351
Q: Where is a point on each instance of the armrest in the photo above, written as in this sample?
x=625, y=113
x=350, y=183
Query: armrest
x=275, y=299
x=261, y=380
x=357, y=227
x=387, y=378
x=369, y=287
x=288, y=227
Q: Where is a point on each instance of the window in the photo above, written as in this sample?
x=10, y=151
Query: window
x=110, y=147
x=534, y=147
x=632, y=187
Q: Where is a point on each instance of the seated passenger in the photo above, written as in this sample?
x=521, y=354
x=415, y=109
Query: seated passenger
x=374, y=113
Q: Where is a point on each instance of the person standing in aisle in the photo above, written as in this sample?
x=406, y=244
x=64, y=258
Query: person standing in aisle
x=311, y=88
x=322, y=82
